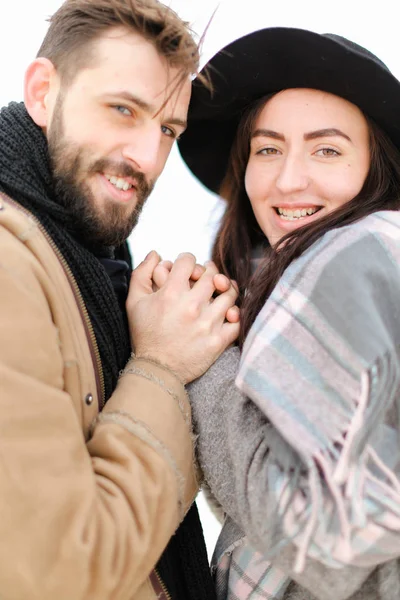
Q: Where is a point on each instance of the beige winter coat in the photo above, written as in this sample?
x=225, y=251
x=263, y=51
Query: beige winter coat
x=84, y=514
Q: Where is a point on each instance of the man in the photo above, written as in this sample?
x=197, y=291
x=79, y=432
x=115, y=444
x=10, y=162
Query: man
x=96, y=466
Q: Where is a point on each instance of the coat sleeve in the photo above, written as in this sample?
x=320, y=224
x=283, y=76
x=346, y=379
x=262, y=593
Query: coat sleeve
x=80, y=520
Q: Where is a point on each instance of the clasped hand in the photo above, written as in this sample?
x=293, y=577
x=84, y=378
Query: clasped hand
x=181, y=314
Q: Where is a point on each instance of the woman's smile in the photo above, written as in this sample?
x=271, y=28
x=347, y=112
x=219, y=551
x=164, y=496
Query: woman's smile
x=309, y=155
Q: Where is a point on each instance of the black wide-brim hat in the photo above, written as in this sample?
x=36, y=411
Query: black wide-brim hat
x=274, y=59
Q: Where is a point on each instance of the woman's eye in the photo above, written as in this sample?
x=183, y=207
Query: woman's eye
x=168, y=131
x=327, y=152
x=123, y=110
x=268, y=151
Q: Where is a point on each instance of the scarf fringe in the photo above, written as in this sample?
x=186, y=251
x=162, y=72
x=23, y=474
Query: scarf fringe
x=347, y=480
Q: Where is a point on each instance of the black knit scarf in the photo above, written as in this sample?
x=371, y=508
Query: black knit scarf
x=25, y=176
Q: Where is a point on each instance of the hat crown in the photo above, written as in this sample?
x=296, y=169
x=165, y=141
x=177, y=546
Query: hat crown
x=267, y=61
x=353, y=47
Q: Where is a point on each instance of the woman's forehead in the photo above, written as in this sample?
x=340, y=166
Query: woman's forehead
x=296, y=106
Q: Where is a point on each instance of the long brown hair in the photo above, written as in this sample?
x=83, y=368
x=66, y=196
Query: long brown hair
x=239, y=233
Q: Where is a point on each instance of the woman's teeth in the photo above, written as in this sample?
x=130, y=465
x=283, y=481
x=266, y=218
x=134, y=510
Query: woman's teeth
x=298, y=213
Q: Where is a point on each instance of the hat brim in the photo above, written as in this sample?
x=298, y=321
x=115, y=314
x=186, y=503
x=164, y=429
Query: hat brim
x=270, y=60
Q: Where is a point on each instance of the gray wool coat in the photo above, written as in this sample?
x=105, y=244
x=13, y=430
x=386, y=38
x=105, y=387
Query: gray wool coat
x=321, y=370
x=232, y=433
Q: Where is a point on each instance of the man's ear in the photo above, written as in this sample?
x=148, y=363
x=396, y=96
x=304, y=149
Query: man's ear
x=40, y=87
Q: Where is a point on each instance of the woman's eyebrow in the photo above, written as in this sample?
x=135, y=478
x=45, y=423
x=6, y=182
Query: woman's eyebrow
x=311, y=135
x=268, y=133
x=330, y=132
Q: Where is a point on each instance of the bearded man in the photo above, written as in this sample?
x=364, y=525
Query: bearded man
x=96, y=468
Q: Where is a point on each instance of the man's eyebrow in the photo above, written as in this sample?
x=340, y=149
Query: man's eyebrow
x=330, y=132
x=149, y=108
x=268, y=133
x=175, y=121
x=146, y=106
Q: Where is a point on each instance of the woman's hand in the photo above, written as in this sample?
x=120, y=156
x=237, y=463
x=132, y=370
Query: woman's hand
x=221, y=282
x=183, y=324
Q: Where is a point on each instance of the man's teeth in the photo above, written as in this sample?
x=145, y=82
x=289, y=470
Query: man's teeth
x=299, y=213
x=119, y=183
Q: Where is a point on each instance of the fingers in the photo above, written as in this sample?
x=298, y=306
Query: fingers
x=230, y=332
x=197, y=272
x=182, y=270
x=221, y=283
x=161, y=274
x=167, y=264
x=163, y=270
x=233, y=314
x=141, y=283
x=225, y=302
x=206, y=325
x=204, y=288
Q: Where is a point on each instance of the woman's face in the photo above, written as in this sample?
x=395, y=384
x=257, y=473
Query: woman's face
x=309, y=155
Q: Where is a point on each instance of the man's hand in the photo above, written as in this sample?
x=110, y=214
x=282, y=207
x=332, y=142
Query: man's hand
x=221, y=283
x=182, y=324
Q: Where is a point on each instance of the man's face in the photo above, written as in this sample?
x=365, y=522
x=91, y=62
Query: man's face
x=108, y=138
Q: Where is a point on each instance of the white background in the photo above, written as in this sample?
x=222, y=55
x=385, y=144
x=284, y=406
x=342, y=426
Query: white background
x=181, y=215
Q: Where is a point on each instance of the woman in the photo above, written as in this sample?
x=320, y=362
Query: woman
x=300, y=441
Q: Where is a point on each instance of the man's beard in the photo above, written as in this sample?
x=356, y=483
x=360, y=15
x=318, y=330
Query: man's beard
x=106, y=225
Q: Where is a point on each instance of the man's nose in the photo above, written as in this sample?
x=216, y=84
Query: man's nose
x=293, y=175
x=143, y=150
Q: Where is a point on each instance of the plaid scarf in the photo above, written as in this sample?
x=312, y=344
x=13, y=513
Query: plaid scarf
x=242, y=573
x=322, y=363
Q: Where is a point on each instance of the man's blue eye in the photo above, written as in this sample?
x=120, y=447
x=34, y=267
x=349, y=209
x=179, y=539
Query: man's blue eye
x=168, y=131
x=123, y=110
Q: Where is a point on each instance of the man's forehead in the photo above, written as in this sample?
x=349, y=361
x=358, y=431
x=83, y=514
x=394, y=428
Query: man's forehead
x=177, y=104
x=126, y=53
